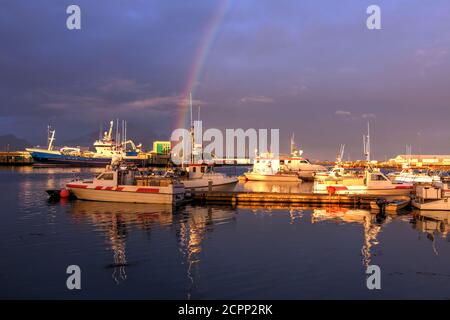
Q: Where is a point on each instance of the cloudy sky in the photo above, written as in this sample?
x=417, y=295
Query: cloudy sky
x=308, y=67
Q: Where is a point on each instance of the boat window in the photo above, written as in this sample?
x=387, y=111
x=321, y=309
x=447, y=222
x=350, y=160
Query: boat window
x=289, y=161
x=281, y=161
x=303, y=161
x=377, y=177
x=202, y=169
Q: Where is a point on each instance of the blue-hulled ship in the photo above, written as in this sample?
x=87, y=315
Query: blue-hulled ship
x=105, y=149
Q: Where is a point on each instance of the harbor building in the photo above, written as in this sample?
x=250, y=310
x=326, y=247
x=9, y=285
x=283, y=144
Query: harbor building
x=15, y=158
x=419, y=160
x=161, y=147
x=160, y=155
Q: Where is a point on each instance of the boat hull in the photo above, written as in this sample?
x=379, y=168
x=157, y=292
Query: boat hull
x=250, y=176
x=57, y=159
x=204, y=184
x=432, y=205
x=129, y=194
x=340, y=189
x=308, y=172
x=392, y=206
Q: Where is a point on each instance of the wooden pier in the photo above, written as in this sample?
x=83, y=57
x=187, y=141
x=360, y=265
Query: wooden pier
x=236, y=197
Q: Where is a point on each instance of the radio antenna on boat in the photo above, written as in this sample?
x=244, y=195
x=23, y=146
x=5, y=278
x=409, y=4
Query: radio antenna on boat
x=366, y=143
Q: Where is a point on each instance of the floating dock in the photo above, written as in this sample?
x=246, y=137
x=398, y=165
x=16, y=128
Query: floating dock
x=236, y=197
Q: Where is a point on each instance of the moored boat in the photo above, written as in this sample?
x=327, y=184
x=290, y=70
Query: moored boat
x=105, y=149
x=390, y=206
x=372, y=182
x=123, y=183
x=289, y=168
x=201, y=176
x=434, y=197
x=414, y=176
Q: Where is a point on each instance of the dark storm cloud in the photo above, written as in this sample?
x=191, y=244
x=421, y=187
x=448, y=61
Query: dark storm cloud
x=309, y=67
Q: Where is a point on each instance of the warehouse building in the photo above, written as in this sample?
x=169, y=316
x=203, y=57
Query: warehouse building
x=422, y=160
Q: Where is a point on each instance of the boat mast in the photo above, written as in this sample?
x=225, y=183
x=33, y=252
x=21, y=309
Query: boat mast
x=340, y=156
x=50, y=138
x=192, y=129
x=111, y=124
x=366, y=144
x=293, y=146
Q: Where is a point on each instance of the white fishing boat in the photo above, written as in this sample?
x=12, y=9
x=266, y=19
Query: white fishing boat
x=121, y=183
x=288, y=168
x=267, y=168
x=414, y=176
x=434, y=197
x=201, y=176
x=372, y=181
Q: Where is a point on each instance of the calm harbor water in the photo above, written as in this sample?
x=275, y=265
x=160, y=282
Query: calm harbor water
x=210, y=252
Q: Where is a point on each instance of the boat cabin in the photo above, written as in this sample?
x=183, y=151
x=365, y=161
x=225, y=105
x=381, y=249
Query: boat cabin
x=113, y=178
x=196, y=171
x=282, y=163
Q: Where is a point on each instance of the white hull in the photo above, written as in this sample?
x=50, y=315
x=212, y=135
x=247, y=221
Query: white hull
x=129, y=194
x=307, y=172
x=414, y=179
x=203, y=183
x=365, y=190
x=251, y=176
x=440, y=204
x=125, y=196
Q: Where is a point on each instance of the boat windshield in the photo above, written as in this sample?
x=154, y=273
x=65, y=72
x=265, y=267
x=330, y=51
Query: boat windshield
x=378, y=177
x=105, y=176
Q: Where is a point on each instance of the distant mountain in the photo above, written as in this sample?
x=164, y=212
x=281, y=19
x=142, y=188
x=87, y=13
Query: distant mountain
x=12, y=143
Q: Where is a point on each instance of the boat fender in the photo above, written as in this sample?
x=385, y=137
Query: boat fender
x=64, y=193
x=331, y=190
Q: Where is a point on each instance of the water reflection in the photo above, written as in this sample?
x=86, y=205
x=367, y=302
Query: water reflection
x=193, y=228
x=432, y=223
x=115, y=220
x=372, y=224
x=191, y=225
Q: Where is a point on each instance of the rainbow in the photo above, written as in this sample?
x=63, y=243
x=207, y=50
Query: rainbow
x=199, y=60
